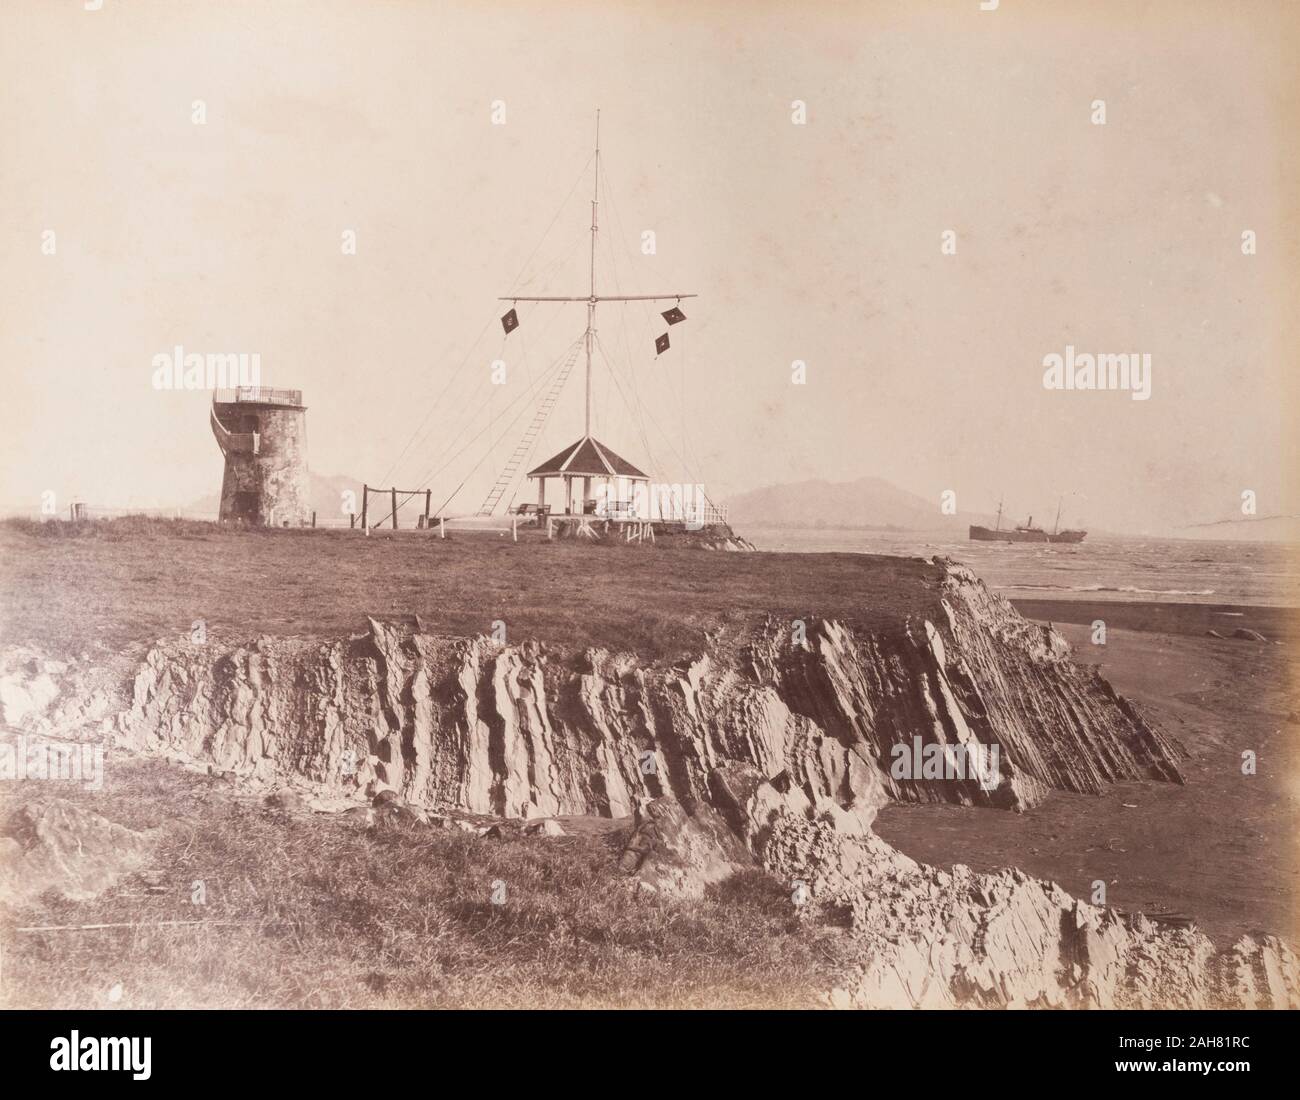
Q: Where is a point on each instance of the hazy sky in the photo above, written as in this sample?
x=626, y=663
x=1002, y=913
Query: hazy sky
x=816, y=242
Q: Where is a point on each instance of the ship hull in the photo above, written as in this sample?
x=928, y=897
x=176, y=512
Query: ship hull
x=988, y=534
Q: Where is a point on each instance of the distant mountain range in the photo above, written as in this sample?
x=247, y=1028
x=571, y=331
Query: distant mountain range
x=871, y=503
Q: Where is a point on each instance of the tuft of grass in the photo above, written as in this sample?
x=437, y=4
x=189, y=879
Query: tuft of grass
x=397, y=916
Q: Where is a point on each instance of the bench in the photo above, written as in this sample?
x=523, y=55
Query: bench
x=539, y=512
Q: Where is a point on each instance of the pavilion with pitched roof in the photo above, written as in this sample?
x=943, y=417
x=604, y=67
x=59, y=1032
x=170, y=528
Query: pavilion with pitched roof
x=590, y=461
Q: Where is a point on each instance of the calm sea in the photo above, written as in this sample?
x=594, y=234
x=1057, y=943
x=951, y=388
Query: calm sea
x=1180, y=570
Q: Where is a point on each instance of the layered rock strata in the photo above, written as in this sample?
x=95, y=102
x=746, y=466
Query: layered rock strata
x=533, y=730
x=923, y=937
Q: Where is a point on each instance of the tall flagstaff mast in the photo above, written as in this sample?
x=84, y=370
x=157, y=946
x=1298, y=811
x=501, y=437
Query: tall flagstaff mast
x=591, y=305
x=592, y=298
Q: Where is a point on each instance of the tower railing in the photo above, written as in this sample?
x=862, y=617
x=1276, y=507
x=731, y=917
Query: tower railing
x=259, y=395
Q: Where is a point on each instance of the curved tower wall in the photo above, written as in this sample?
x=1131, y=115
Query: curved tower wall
x=264, y=441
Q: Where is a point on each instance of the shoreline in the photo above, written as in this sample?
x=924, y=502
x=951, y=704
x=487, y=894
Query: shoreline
x=1219, y=850
x=1275, y=622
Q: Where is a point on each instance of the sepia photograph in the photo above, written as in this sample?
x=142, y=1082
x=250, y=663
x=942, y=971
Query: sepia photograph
x=782, y=509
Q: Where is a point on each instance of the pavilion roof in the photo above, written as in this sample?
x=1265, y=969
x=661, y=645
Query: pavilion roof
x=587, y=458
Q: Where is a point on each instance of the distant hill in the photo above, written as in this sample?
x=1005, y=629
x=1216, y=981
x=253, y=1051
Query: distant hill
x=868, y=502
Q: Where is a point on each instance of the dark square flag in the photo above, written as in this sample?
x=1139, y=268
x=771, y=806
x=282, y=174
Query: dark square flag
x=672, y=316
x=661, y=344
x=510, y=321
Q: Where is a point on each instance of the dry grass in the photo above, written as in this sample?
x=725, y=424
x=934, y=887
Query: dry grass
x=107, y=585
x=396, y=916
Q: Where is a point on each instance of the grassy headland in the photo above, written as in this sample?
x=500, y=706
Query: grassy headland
x=69, y=587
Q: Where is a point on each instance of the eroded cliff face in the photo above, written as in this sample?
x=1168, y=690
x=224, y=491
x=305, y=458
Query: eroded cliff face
x=929, y=938
x=533, y=731
x=773, y=748
x=923, y=937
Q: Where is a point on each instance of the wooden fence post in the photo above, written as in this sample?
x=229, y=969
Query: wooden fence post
x=442, y=527
x=514, y=529
x=394, y=507
x=428, y=499
x=313, y=518
x=365, y=500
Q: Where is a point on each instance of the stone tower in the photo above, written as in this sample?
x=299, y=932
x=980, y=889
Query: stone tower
x=263, y=435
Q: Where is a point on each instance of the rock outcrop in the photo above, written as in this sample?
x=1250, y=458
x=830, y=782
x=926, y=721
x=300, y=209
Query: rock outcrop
x=535, y=731
x=923, y=937
x=929, y=938
x=54, y=844
x=680, y=852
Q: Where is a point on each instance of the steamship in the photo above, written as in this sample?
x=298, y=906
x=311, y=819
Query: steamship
x=1026, y=532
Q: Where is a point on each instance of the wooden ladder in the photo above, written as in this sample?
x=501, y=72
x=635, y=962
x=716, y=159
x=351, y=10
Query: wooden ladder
x=531, y=434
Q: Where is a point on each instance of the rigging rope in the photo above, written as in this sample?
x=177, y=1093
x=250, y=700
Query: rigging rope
x=638, y=420
x=546, y=233
x=432, y=473
x=554, y=367
x=687, y=447
x=442, y=393
x=470, y=350
x=685, y=465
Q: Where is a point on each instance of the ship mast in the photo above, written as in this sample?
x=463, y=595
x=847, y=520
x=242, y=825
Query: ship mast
x=999, y=523
x=592, y=298
x=1056, y=526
